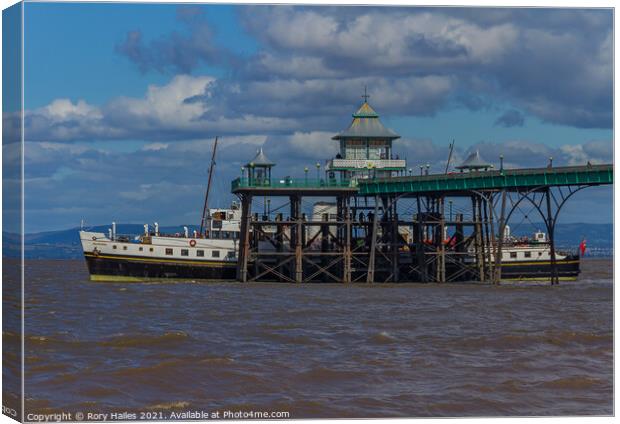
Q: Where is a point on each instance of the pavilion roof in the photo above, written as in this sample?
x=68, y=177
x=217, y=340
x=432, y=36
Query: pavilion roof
x=366, y=124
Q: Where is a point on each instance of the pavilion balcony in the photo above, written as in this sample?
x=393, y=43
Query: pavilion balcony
x=353, y=164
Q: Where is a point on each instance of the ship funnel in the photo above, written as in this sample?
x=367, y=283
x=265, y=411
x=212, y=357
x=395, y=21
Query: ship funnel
x=146, y=229
x=507, y=231
x=110, y=233
x=156, y=229
x=114, y=231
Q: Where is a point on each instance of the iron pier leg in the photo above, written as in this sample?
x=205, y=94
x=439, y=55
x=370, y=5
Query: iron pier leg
x=346, y=278
x=395, y=242
x=441, y=257
x=419, y=247
x=324, y=242
x=489, y=237
x=279, y=240
x=497, y=277
x=296, y=235
x=551, y=230
x=370, y=276
x=244, y=242
x=478, y=237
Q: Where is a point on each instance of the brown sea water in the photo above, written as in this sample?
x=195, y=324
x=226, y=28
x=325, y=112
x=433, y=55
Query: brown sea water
x=328, y=350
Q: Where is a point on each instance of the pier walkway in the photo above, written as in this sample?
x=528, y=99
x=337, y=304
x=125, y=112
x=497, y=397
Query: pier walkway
x=509, y=179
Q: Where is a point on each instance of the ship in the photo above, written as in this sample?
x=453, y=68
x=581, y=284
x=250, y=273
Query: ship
x=156, y=256
x=209, y=253
x=529, y=258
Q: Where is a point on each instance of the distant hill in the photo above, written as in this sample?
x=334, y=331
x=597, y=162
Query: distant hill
x=65, y=244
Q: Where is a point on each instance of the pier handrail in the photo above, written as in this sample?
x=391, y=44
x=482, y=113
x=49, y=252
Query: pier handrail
x=288, y=182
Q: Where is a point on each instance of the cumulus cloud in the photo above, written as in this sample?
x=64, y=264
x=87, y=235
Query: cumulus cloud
x=554, y=64
x=177, y=110
x=313, y=62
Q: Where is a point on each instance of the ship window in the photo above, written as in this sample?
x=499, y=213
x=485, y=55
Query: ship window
x=513, y=254
x=528, y=254
x=200, y=253
x=114, y=246
x=124, y=247
x=150, y=249
x=231, y=255
x=168, y=251
x=215, y=253
x=140, y=248
x=539, y=253
x=184, y=252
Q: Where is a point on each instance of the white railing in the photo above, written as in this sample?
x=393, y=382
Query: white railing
x=367, y=163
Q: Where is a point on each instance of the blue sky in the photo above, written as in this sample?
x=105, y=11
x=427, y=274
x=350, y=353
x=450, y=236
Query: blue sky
x=123, y=100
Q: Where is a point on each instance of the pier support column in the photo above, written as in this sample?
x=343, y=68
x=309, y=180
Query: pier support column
x=279, y=239
x=441, y=251
x=478, y=247
x=419, y=245
x=346, y=274
x=244, y=242
x=296, y=237
x=497, y=276
x=551, y=230
x=395, y=242
x=370, y=276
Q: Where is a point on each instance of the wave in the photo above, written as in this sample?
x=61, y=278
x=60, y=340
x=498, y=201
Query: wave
x=556, y=338
x=141, y=340
x=573, y=383
x=383, y=338
x=324, y=375
x=181, y=404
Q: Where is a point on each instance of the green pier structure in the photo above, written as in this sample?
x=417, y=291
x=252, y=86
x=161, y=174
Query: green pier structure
x=382, y=224
x=509, y=179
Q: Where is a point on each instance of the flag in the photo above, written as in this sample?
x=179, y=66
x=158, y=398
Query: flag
x=582, y=247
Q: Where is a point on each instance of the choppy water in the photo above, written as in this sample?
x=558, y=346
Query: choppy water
x=318, y=350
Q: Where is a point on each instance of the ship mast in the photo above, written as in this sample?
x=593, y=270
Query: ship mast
x=204, y=208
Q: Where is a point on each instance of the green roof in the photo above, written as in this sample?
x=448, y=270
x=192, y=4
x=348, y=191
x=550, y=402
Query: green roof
x=366, y=124
x=260, y=159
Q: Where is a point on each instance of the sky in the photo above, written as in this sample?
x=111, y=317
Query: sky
x=123, y=101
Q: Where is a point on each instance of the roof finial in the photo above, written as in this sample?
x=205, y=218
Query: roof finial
x=365, y=96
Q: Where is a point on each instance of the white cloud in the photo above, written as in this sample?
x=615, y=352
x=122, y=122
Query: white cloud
x=155, y=146
x=313, y=144
x=166, y=106
x=62, y=109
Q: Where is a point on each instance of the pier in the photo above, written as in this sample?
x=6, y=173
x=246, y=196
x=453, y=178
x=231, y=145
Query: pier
x=387, y=225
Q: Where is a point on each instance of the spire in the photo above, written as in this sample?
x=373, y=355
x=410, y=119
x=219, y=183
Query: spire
x=260, y=159
x=366, y=95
